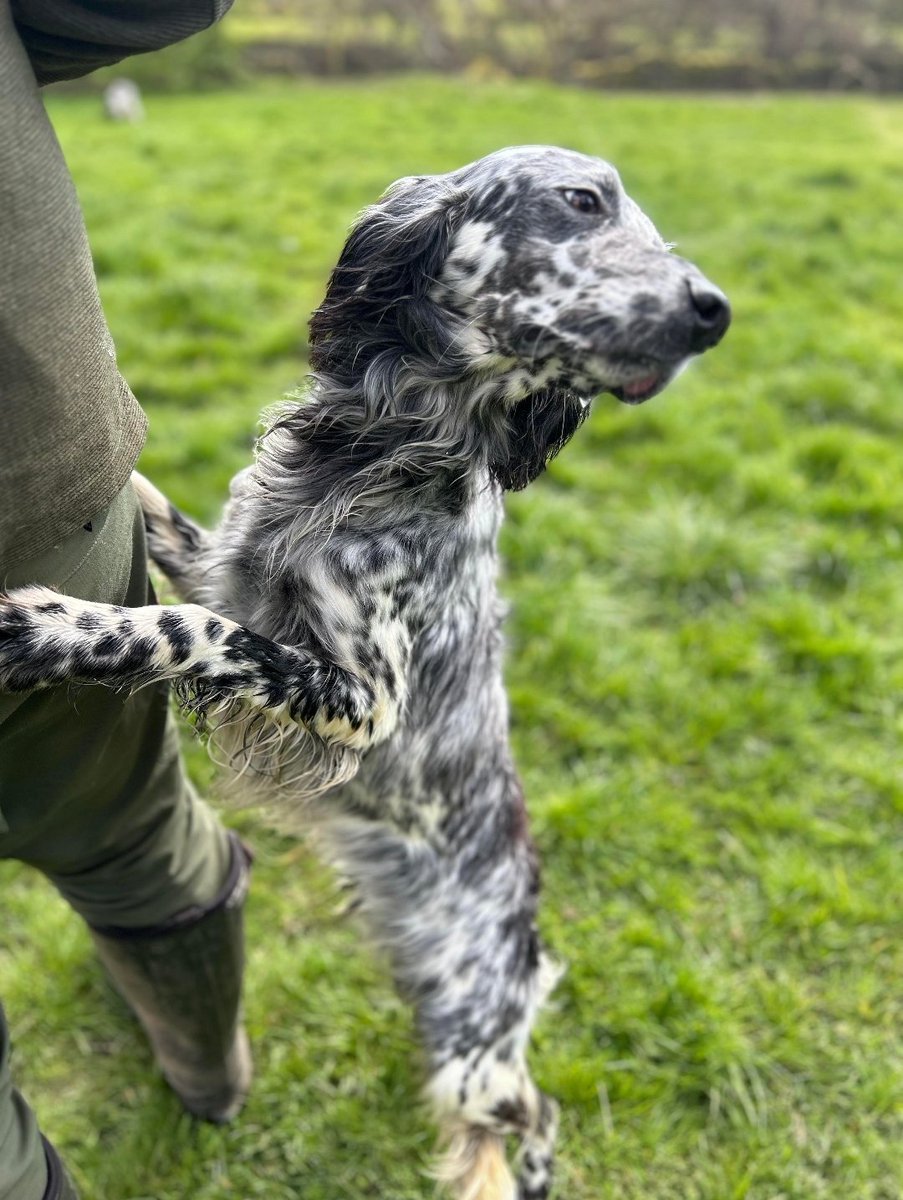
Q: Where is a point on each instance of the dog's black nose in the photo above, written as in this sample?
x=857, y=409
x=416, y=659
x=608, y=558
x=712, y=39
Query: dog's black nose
x=711, y=314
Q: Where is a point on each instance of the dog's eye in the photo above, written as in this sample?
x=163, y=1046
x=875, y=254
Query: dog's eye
x=583, y=200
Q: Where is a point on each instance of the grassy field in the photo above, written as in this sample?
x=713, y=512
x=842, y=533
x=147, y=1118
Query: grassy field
x=706, y=661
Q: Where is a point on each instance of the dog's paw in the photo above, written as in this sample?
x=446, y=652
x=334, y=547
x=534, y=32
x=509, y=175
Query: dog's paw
x=344, y=711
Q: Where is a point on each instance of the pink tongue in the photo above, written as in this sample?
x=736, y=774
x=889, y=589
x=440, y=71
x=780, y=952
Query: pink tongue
x=639, y=386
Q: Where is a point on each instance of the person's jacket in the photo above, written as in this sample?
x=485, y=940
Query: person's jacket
x=70, y=429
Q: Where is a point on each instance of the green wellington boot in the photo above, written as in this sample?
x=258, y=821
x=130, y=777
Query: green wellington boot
x=183, y=981
x=59, y=1185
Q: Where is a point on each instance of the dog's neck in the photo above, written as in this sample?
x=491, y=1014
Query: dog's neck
x=423, y=437
x=434, y=466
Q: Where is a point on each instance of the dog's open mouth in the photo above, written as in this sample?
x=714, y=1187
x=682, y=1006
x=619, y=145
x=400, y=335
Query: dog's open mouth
x=641, y=389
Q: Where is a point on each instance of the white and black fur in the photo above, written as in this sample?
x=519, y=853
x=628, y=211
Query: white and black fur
x=470, y=319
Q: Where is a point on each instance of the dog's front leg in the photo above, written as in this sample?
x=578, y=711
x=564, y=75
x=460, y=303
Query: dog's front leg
x=47, y=639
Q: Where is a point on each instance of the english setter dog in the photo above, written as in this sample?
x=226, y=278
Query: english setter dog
x=343, y=620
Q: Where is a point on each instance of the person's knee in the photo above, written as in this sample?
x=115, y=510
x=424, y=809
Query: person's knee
x=176, y=858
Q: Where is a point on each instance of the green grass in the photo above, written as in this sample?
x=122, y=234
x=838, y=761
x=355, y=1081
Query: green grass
x=706, y=659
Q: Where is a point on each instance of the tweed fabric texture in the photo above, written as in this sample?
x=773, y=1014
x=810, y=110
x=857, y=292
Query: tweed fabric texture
x=71, y=428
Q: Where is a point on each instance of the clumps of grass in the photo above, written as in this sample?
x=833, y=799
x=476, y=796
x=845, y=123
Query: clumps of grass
x=706, y=660
x=817, y=644
x=685, y=551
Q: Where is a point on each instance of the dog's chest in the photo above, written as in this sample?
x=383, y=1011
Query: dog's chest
x=453, y=715
x=375, y=590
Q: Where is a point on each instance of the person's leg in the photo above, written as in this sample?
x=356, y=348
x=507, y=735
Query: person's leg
x=92, y=790
x=183, y=979
x=30, y=1168
x=91, y=787
x=93, y=794
x=23, y=1169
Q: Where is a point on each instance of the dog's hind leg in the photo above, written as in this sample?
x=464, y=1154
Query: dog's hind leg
x=175, y=543
x=456, y=913
x=481, y=1097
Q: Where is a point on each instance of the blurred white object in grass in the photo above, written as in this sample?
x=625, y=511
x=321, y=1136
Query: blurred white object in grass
x=122, y=101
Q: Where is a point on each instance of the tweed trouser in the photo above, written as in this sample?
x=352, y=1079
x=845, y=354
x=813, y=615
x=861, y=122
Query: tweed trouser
x=92, y=794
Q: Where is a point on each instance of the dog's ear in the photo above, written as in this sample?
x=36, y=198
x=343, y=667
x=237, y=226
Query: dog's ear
x=535, y=429
x=378, y=293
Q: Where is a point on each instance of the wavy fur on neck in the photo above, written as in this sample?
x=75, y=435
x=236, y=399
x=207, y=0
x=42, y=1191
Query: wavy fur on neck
x=398, y=410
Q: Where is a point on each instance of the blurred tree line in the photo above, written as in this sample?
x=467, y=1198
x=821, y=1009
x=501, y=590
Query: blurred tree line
x=647, y=43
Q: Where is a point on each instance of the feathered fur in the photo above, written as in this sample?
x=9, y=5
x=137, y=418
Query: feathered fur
x=464, y=329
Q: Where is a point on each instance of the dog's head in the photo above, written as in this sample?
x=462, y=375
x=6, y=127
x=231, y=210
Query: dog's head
x=565, y=280
x=531, y=278
x=531, y=264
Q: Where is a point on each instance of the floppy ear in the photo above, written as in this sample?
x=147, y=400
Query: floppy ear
x=377, y=295
x=535, y=429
